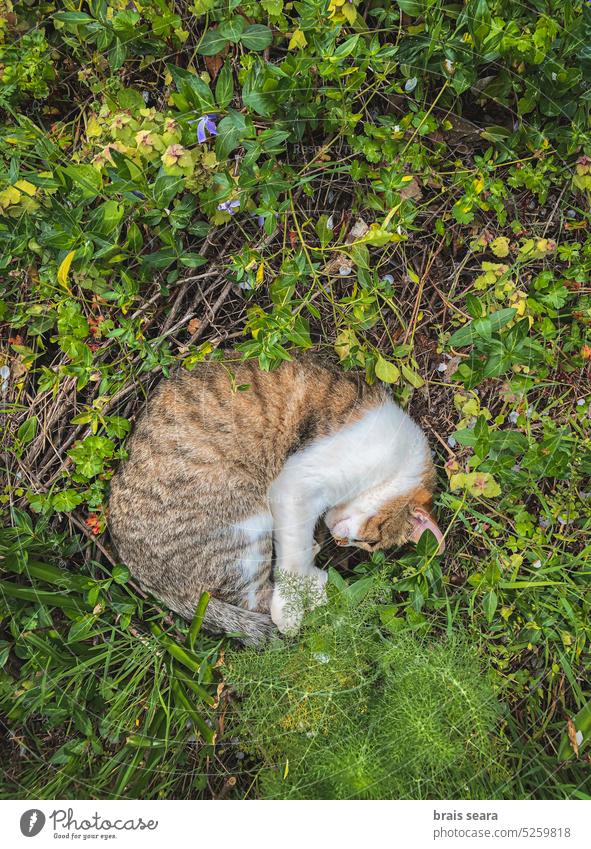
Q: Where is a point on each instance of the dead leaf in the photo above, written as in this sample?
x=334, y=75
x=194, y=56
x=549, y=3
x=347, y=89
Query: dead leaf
x=411, y=190
x=339, y=265
x=194, y=325
x=213, y=65
x=357, y=231
x=572, y=736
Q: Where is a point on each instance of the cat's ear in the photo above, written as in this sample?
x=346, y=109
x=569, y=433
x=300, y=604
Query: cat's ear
x=423, y=521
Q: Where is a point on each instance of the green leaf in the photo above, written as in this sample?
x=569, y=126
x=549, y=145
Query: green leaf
x=257, y=92
x=89, y=455
x=87, y=178
x=347, y=47
x=256, y=37
x=197, y=620
x=358, y=590
x=489, y=604
x=467, y=334
x=193, y=89
x=82, y=629
x=323, y=231
x=224, y=88
x=73, y=18
x=120, y=574
x=27, y=431
x=231, y=131
x=233, y=28
x=386, y=371
x=65, y=501
x=212, y=43
x=411, y=7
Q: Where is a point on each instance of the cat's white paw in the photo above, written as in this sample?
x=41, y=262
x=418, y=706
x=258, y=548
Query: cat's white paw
x=294, y=594
x=284, y=615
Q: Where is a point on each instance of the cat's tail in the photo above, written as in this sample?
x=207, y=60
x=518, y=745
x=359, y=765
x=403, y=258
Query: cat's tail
x=250, y=627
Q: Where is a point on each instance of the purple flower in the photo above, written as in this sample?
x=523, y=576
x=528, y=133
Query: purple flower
x=206, y=124
x=229, y=206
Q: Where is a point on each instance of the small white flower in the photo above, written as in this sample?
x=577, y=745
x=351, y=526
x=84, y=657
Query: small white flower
x=451, y=442
x=410, y=84
x=397, y=128
x=399, y=229
x=344, y=270
x=513, y=416
x=442, y=367
x=321, y=657
x=553, y=77
x=537, y=564
x=330, y=223
x=544, y=523
x=146, y=96
x=387, y=278
x=581, y=402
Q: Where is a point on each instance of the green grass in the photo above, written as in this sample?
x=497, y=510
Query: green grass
x=403, y=183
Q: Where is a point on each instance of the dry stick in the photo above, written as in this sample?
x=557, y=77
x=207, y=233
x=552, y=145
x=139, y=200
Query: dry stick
x=422, y=282
x=88, y=533
x=212, y=313
x=439, y=438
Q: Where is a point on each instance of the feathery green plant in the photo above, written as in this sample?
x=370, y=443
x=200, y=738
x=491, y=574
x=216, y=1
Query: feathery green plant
x=350, y=712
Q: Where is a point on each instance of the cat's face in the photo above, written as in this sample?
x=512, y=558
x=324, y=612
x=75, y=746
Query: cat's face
x=396, y=521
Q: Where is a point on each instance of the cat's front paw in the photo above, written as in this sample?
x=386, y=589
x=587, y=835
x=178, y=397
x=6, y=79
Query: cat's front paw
x=284, y=614
x=294, y=594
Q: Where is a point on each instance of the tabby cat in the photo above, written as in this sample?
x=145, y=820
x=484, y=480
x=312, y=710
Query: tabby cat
x=229, y=465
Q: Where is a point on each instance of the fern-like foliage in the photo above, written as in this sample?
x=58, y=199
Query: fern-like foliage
x=350, y=712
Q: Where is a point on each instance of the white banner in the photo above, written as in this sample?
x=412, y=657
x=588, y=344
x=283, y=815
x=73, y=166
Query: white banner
x=356, y=824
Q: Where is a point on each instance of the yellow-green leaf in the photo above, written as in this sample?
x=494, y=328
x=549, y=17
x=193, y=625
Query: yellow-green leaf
x=64, y=269
x=386, y=371
x=500, y=246
x=412, y=377
x=298, y=39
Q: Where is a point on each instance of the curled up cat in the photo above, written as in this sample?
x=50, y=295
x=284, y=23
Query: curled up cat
x=229, y=471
